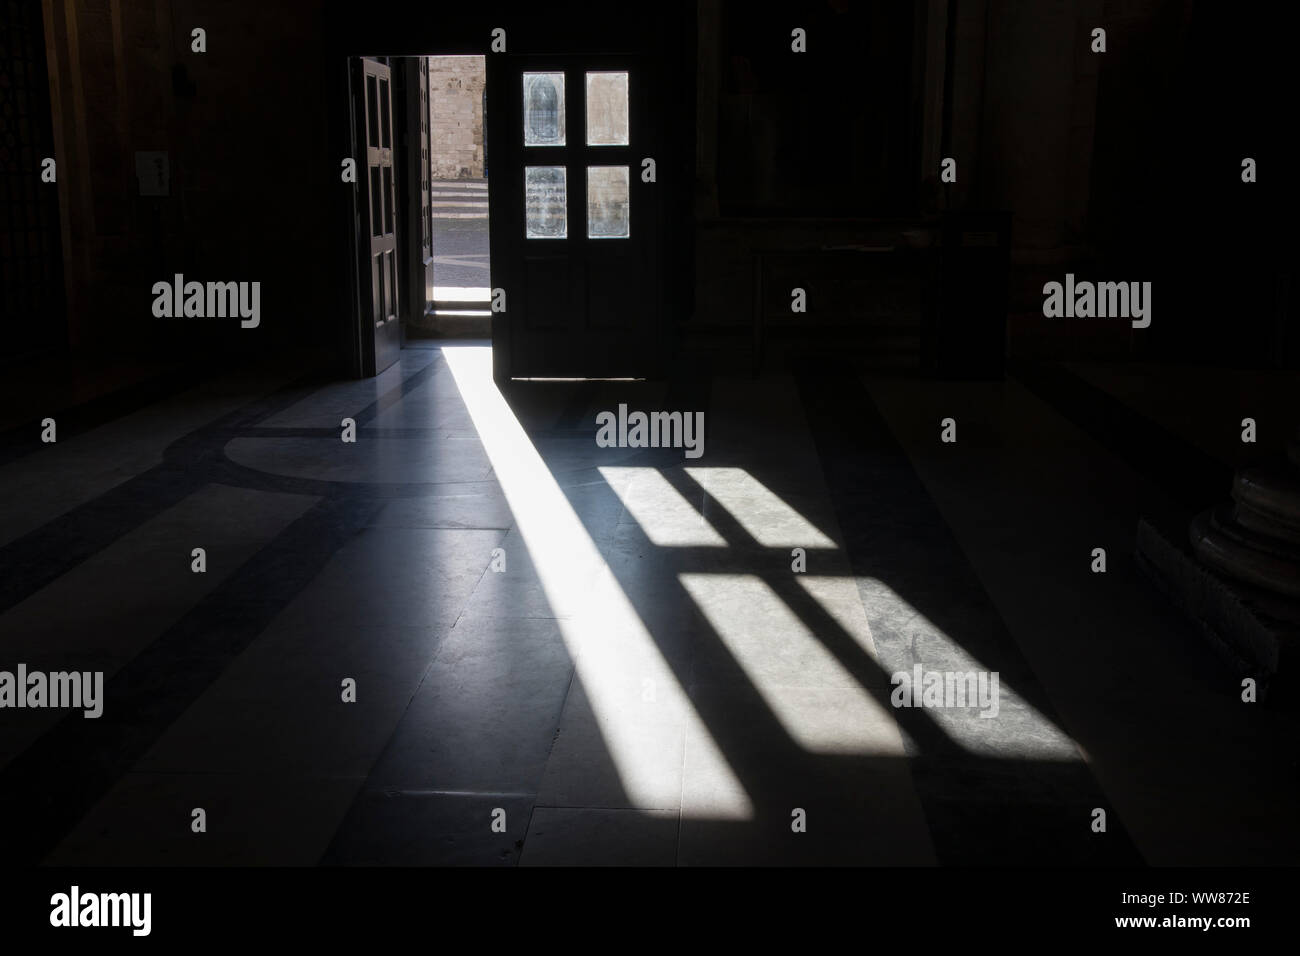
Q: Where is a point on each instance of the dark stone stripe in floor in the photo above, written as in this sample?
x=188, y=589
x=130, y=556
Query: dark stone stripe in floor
x=52, y=550
x=29, y=563
x=21, y=440
x=1184, y=472
x=980, y=810
x=51, y=785
x=395, y=394
x=267, y=431
x=39, y=557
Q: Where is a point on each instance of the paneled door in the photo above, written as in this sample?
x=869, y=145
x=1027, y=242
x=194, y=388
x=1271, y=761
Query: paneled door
x=380, y=293
x=575, y=216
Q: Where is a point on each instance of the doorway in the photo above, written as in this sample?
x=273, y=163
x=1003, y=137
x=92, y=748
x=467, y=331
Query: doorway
x=421, y=208
x=458, y=197
x=559, y=262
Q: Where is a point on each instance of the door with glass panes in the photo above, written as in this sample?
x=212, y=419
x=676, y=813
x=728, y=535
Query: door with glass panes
x=574, y=216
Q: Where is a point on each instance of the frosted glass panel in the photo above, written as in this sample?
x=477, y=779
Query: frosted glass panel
x=543, y=109
x=607, y=202
x=606, y=109
x=545, y=199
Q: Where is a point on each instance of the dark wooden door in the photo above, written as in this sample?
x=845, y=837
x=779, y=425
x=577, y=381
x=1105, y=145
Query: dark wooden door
x=414, y=188
x=575, y=219
x=379, y=184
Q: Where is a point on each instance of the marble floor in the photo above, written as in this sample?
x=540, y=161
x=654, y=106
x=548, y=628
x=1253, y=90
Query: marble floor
x=472, y=636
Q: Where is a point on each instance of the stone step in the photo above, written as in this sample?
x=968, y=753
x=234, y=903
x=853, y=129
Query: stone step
x=1264, y=524
x=1269, y=493
x=1225, y=520
x=1238, y=556
x=1258, y=631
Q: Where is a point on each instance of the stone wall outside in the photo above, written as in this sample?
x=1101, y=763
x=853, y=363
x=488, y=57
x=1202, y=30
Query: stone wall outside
x=456, y=116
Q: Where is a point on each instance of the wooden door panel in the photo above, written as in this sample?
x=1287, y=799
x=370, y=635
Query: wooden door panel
x=609, y=307
x=385, y=340
x=416, y=239
x=586, y=304
x=548, y=289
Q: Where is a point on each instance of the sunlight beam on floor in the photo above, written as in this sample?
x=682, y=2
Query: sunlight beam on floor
x=1017, y=731
x=616, y=658
x=768, y=520
x=667, y=518
x=820, y=704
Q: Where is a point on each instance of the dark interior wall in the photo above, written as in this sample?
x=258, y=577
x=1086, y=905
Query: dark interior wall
x=1188, y=91
x=244, y=129
x=799, y=150
x=827, y=131
x=1126, y=162
x=1038, y=91
x=1126, y=165
x=31, y=278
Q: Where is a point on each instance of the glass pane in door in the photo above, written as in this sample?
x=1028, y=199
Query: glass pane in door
x=543, y=109
x=607, y=202
x=606, y=109
x=545, y=199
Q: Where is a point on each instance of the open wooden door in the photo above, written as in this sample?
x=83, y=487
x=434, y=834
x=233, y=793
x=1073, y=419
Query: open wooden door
x=415, y=189
x=380, y=292
x=575, y=216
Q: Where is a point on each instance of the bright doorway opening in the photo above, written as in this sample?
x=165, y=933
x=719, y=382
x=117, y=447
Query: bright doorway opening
x=460, y=294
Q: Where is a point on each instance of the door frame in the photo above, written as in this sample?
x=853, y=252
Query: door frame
x=666, y=36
